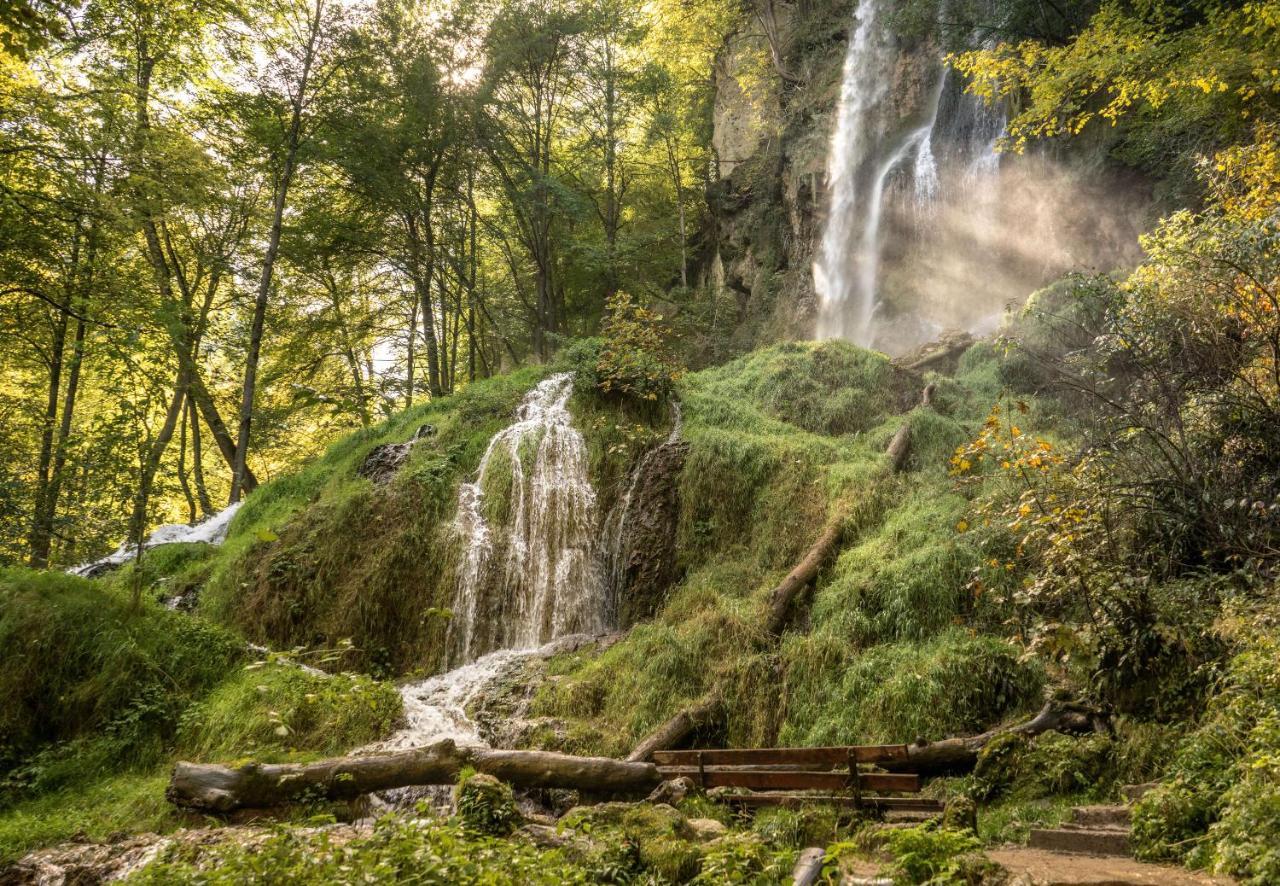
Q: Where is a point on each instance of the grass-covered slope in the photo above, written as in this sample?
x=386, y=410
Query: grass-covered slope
x=100, y=697
x=780, y=441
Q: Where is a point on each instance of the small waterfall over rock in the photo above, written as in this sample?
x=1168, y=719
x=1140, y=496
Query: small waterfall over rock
x=527, y=525
x=212, y=530
x=901, y=169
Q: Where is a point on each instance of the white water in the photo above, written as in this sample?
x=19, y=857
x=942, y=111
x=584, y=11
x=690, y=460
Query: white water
x=212, y=530
x=436, y=708
x=845, y=305
x=866, y=160
x=536, y=575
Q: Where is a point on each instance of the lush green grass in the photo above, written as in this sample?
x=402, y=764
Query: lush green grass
x=279, y=710
x=952, y=684
x=78, y=662
x=95, y=810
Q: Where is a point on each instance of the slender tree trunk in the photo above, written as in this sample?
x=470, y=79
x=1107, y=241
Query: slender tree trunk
x=147, y=474
x=197, y=460
x=409, y=367
x=293, y=140
x=183, y=480
x=38, y=538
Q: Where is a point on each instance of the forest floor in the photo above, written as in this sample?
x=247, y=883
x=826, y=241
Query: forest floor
x=1039, y=867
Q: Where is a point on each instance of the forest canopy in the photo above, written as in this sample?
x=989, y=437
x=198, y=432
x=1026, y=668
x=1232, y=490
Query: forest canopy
x=235, y=229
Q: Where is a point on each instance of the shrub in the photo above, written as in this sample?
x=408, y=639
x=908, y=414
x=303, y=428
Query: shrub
x=937, y=857
x=78, y=662
x=634, y=360
x=1219, y=806
x=485, y=805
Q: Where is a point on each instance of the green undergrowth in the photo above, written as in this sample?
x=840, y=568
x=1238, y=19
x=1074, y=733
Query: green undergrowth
x=1219, y=805
x=93, y=811
x=92, y=685
x=101, y=697
x=279, y=711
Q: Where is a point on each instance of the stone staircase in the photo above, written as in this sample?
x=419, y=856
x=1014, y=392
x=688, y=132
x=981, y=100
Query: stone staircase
x=1093, y=830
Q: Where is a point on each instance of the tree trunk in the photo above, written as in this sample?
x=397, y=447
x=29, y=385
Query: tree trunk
x=197, y=461
x=900, y=447
x=292, y=143
x=961, y=754
x=669, y=734
x=805, y=571
x=223, y=788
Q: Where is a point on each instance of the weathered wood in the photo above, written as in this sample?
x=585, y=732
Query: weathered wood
x=900, y=448
x=782, y=780
x=788, y=799
x=805, y=571
x=831, y=756
x=808, y=866
x=961, y=754
x=254, y=785
x=673, y=731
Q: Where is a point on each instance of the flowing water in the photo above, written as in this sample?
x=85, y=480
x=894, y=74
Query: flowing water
x=529, y=570
x=925, y=170
x=210, y=531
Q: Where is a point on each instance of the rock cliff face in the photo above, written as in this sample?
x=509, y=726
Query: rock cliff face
x=777, y=92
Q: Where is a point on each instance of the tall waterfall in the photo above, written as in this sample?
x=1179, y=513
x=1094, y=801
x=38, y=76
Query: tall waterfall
x=892, y=175
x=530, y=572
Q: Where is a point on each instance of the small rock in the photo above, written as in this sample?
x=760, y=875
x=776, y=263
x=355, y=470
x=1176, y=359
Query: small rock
x=672, y=791
x=961, y=814
x=705, y=829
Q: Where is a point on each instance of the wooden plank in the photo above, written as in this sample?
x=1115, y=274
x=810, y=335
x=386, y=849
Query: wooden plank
x=818, y=757
x=768, y=779
x=905, y=804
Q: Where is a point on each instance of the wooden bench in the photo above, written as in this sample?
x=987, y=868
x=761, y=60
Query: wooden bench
x=775, y=776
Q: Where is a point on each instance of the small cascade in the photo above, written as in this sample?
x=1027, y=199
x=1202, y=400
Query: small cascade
x=212, y=530
x=619, y=517
x=436, y=708
x=529, y=572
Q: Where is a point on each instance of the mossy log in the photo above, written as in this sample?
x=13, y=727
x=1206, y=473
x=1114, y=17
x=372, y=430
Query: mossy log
x=953, y=755
x=673, y=731
x=218, y=788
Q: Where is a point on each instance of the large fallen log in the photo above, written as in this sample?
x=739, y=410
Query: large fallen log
x=953, y=755
x=219, y=788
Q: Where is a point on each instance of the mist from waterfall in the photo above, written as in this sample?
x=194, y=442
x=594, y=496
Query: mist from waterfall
x=531, y=572
x=886, y=169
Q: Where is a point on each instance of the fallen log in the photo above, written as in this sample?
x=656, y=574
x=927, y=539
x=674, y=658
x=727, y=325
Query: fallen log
x=806, y=570
x=218, y=788
x=952, y=755
x=900, y=448
x=673, y=731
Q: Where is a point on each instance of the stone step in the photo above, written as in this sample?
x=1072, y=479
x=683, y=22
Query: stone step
x=1100, y=816
x=1082, y=840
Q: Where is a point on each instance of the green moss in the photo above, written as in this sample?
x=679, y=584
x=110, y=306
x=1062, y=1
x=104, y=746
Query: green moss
x=485, y=805
x=1051, y=764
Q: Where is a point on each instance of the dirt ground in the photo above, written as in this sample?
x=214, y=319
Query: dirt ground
x=1037, y=867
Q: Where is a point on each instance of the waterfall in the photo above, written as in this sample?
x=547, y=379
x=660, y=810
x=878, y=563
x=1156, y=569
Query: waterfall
x=864, y=86
x=530, y=574
x=893, y=180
